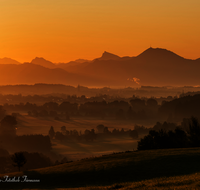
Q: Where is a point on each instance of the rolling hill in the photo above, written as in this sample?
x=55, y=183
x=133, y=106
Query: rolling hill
x=166, y=167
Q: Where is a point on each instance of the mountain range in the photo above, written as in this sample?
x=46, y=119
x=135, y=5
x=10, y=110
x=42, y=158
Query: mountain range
x=154, y=66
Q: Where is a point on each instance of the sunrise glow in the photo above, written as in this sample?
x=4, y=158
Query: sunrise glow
x=64, y=30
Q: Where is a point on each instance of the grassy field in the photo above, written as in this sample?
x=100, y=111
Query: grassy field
x=75, y=150
x=78, y=150
x=107, y=169
x=151, y=169
x=41, y=125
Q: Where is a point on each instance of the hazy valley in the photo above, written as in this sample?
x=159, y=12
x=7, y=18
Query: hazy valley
x=110, y=116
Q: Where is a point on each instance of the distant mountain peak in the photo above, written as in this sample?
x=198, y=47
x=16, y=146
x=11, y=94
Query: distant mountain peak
x=151, y=50
x=158, y=53
x=39, y=59
x=109, y=56
x=81, y=60
x=43, y=62
x=7, y=60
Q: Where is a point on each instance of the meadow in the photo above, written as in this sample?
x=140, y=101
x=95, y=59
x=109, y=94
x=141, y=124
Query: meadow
x=41, y=125
x=74, y=150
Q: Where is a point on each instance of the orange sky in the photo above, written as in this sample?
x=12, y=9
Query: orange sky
x=64, y=30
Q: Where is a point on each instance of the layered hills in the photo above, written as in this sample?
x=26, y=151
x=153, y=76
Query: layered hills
x=154, y=66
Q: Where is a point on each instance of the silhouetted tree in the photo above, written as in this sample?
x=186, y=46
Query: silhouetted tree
x=63, y=130
x=181, y=139
x=7, y=127
x=152, y=102
x=137, y=104
x=51, y=132
x=2, y=112
x=106, y=131
x=115, y=132
x=29, y=113
x=19, y=159
x=9, y=120
x=162, y=139
x=194, y=132
x=89, y=135
x=100, y=128
x=185, y=124
x=157, y=126
x=141, y=129
x=122, y=131
x=64, y=160
x=50, y=106
x=130, y=113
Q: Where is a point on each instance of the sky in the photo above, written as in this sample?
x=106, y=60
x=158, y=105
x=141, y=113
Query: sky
x=65, y=30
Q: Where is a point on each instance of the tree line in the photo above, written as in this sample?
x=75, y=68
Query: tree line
x=89, y=135
x=181, y=137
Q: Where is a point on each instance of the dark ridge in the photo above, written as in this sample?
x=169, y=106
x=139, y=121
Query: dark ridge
x=158, y=53
x=109, y=56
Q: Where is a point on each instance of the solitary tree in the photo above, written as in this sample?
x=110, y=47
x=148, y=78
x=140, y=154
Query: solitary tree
x=19, y=159
x=63, y=129
x=194, y=132
x=100, y=128
x=8, y=126
x=51, y=132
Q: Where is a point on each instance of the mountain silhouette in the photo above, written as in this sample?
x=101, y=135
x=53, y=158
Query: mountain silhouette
x=73, y=66
x=80, y=61
x=153, y=67
x=109, y=56
x=29, y=73
x=43, y=62
x=6, y=60
x=69, y=66
x=159, y=54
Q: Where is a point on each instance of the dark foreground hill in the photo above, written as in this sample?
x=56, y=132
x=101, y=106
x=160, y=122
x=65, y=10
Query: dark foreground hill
x=111, y=169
